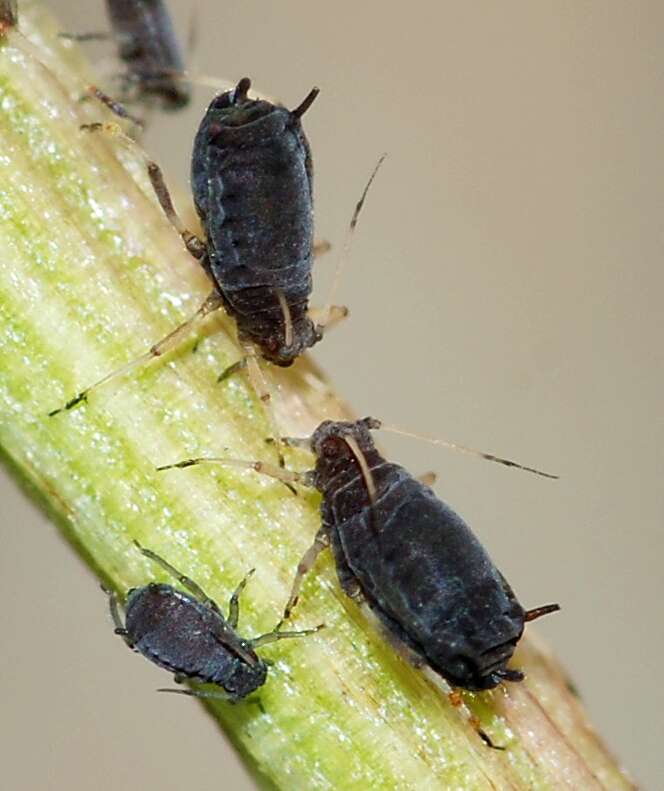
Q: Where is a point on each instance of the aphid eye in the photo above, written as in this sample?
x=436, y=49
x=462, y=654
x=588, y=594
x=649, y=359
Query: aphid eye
x=331, y=447
x=214, y=129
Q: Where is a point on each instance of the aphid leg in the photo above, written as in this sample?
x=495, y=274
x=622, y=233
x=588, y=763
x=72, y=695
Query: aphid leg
x=193, y=243
x=170, y=341
x=321, y=542
x=117, y=108
x=198, y=693
x=276, y=634
x=280, y=473
x=234, y=603
x=327, y=318
x=240, y=365
x=114, y=607
x=260, y=385
x=428, y=478
x=93, y=36
x=322, y=247
x=185, y=581
x=455, y=698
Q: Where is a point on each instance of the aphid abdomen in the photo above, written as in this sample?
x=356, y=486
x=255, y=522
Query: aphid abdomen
x=177, y=633
x=421, y=567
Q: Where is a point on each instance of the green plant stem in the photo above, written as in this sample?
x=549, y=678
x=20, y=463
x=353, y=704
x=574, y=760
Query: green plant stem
x=90, y=275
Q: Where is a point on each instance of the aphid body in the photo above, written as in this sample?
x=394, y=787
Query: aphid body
x=415, y=561
x=191, y=639
x=149, y=48
x=187, y=634
x=251, y=177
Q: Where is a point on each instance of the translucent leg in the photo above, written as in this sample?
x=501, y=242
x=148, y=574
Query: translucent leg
x=114, y=607
x=170, y=341
x=234, y=603
x=321, y=542
x=273, y=636
x=186, y=582
x=193, y=243
x=199, y=693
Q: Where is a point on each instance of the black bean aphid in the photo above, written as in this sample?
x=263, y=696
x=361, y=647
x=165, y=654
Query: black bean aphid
x=148, y=47
x=409, y=556
x=187, y=634
x=251, y=176
x=252, y=185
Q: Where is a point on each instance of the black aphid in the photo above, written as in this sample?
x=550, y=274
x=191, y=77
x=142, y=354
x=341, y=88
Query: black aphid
x=252, y=183
x=409, y=556
x=187, y=634
x=149, y=48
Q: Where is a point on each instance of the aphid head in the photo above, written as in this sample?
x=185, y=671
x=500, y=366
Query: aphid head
x=233, y=112
x=342, y=446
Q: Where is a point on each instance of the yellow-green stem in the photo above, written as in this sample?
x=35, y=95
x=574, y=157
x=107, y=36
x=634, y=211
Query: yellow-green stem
x=90, y=276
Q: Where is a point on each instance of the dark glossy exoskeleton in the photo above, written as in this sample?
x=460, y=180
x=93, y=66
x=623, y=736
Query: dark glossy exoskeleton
x=251, y=177
x=187, y=634
x=149, y=48
x=415, y=561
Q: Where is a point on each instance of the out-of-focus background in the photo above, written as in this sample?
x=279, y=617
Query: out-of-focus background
x=505, y=291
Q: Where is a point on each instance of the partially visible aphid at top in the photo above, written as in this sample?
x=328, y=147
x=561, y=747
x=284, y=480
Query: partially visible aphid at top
x=187, y=634
x=409, y=556
x=251, y=177
x=149, y=49
x=8, y=15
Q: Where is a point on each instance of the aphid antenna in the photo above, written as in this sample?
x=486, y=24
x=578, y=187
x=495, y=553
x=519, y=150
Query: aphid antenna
x=332, y=313
x=464, y=449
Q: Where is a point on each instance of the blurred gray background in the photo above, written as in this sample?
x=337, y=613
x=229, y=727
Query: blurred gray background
x=505, y=291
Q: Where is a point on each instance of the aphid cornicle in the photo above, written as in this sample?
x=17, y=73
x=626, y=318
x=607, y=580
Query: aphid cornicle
x=407, y=554
x=187, y=634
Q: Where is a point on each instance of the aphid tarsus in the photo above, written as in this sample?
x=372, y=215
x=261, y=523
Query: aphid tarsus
x=187, y=634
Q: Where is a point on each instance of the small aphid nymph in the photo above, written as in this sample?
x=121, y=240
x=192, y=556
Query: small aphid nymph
x=187, y=634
